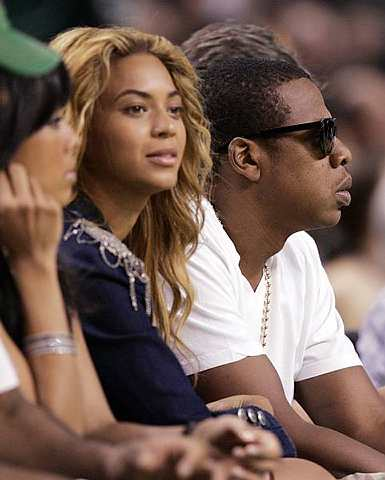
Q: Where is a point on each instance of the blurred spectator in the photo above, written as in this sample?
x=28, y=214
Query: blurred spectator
x=44, y=18
x=357, y=97
x=371, y=342
x=317, y=32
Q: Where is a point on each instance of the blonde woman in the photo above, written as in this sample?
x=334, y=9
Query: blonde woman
x=143, y=161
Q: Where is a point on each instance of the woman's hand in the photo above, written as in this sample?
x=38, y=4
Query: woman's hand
x=255, y=449
x=30, y=221
x=168, y=458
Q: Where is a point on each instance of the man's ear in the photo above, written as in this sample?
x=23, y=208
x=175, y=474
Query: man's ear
x=245, y=158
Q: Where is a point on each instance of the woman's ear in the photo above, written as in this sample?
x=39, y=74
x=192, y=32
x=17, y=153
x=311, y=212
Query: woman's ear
x=245, y=158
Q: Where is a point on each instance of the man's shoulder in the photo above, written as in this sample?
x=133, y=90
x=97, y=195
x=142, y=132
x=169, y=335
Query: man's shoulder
x=300, y=245
x=213, y=236
x=301, y=241
x=211, y=223
x=299, y=255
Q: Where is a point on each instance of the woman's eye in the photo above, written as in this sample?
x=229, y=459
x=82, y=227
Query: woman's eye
x=55, y=120
x=134, y=109
x=176, y=111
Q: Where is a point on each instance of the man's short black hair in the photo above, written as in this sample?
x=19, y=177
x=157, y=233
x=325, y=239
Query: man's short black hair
x=218, y=41
x=240, y=97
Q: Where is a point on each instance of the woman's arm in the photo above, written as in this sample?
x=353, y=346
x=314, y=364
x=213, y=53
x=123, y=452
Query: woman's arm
x=30, y=229
x=18, y=473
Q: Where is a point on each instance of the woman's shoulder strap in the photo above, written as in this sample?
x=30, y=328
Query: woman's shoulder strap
x=113, y=253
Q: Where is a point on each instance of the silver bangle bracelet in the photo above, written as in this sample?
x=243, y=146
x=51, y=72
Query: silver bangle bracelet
x=45, y=344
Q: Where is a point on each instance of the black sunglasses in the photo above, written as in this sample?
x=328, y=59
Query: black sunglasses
x=326, y=127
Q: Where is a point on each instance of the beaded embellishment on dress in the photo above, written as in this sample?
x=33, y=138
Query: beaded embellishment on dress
x=132, y=265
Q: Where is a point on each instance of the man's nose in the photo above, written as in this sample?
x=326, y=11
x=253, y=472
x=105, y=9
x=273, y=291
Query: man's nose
x=341, y=155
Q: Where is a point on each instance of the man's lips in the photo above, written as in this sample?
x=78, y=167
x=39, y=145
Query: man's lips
x=343, y=195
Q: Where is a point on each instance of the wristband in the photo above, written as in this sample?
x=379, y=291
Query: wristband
x=46, y=344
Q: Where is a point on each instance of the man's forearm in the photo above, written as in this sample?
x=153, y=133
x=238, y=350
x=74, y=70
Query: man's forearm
x=324, y=446
x=336, y=451
x=357, y=409
x=31, y=438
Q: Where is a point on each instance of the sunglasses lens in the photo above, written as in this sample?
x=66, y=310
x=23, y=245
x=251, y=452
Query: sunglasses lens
x=328, y=135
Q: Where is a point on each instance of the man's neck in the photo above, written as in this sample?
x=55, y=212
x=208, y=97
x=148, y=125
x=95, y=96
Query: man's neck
x=253, y=233
x=120, y=207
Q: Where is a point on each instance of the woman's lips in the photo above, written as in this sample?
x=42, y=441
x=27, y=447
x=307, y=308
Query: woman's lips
x=165, y=158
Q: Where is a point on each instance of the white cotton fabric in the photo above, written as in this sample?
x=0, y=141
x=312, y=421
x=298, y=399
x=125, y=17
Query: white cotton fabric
x=305, y=332
x=8, y=377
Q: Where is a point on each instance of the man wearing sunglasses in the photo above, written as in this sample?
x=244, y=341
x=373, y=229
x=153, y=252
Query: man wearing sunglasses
x=263, y=299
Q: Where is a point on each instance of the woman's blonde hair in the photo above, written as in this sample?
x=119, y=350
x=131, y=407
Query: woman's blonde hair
x=167, y=230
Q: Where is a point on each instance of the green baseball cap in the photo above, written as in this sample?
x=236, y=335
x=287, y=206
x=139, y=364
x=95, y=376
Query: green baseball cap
x=22, y=54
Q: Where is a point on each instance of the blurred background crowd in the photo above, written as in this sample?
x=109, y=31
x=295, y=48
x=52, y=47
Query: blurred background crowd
x=342, y=42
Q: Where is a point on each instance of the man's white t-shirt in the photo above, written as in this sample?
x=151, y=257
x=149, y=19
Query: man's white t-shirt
x=305, y=336
x=8, y=377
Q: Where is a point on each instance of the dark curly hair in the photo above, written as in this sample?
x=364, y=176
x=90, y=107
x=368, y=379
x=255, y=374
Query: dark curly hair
x=219, y=41
x=241, y=98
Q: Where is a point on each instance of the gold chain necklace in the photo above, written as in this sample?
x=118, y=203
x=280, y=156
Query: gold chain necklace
x=266, y=306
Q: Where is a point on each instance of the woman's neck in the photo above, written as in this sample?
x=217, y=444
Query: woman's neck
x=120, y=208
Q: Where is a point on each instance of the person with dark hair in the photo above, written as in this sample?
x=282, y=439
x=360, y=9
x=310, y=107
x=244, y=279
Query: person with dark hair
x=221, y=40
x=264, y=319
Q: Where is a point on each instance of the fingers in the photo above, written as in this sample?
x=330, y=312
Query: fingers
x=171, y=458
x=45, y=204
x=149, y=461
x=261, y=456
x=265, y=445
x=6, y=193
x=30, y=221
x=229, y=431
x=19, y=182
x=220, y=469
x=36, y=191
x=192, y=456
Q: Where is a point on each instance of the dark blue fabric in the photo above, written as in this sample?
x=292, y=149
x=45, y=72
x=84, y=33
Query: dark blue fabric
x=141, y=377
x=269, y=423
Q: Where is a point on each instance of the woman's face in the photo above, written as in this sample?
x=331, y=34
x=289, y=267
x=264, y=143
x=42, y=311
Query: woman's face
x=49, y=155
x=137, y=138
